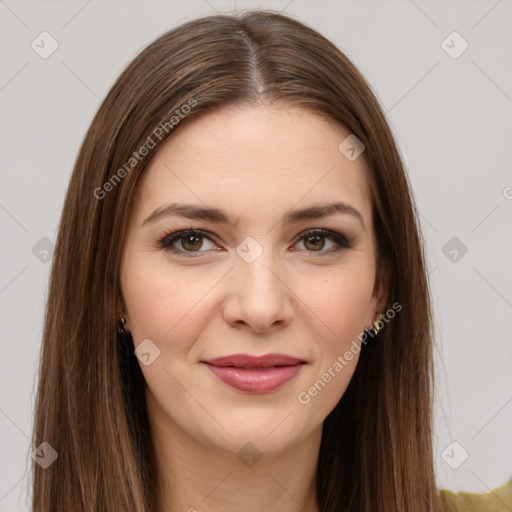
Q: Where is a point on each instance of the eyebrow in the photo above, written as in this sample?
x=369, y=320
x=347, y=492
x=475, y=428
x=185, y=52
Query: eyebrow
x=200, y=212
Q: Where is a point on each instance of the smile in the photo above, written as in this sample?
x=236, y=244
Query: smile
x=255, y=374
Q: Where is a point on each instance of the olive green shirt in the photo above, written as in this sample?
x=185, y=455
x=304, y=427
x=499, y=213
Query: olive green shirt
x=497, y=500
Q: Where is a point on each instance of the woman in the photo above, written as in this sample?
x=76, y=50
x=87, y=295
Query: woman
x=238, y=315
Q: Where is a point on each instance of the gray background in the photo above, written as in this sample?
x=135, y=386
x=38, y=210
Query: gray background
x=452, y=119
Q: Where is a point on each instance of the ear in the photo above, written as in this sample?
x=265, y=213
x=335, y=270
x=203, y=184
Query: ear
x=381, y=286
x=115, y=299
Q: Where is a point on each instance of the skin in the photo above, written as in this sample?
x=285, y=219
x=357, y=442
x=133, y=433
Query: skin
x=255, y=164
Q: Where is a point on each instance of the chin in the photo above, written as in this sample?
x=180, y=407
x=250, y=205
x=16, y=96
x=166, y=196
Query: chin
x=263, y=430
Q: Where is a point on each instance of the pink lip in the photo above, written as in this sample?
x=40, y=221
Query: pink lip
x=255, y=374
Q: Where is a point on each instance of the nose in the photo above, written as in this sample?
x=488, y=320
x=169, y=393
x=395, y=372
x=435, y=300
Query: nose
x=259, y=298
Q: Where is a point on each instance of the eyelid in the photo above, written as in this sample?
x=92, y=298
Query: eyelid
x=168, y=239
x=341, y=241
x=327, y=233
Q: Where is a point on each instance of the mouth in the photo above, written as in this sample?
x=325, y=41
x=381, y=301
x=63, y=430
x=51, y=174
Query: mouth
x=253, y=374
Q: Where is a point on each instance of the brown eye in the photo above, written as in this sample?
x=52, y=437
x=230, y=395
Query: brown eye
x=191, y=242
x=315, y=242
x=187, y=242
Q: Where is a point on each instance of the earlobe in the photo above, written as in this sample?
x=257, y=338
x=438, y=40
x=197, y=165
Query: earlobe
x=121, y=321
x=122, y=325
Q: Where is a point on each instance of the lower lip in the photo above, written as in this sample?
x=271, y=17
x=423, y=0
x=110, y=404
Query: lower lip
x=258, y=380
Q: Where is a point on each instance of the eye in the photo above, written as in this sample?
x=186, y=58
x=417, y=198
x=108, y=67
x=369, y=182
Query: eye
x=190, y=241
x=315, y=240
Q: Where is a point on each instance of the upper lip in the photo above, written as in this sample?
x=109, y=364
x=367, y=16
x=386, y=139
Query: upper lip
x=248, y=361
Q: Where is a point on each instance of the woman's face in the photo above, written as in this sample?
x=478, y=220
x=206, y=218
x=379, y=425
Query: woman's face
x=256, y=279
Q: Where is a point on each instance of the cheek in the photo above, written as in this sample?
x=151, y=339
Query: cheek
x=340, y=301
x=164, y=306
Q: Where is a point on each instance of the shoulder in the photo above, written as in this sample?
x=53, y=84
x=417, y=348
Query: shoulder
x=497, y=500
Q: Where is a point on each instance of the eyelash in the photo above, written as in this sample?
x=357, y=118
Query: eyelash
x=166, y=242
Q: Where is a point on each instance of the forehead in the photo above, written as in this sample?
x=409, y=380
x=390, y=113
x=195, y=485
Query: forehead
x=259, y=160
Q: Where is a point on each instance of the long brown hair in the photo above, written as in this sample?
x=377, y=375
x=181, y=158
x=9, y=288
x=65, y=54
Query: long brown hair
x=376, y=452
